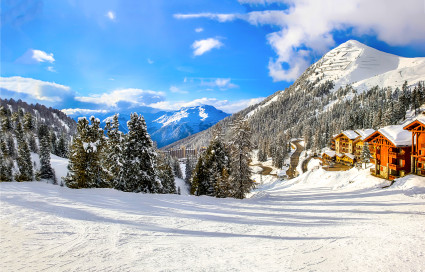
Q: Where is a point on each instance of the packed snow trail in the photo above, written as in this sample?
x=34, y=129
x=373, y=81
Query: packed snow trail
x=290, y=227
x=292, y=171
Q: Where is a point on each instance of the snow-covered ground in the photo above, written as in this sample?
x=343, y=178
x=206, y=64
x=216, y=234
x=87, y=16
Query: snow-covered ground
x=320, y=221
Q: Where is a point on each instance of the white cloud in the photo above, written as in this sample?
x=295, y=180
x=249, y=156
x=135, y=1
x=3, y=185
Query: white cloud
x=150, y=61
x=32, y=56
x=36, y=89
x=224, y=105
x=111, y=15
x=51, y=69
x=307, y=27
x=202, y=46
x=222, y=83
x=130, y=97
x=175, y=89
x=214, y=16
x=199, y=29
x=42, y=56
x=78, y=111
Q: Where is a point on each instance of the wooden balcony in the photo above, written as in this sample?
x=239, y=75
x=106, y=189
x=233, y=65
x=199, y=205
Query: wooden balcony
x=395, y=167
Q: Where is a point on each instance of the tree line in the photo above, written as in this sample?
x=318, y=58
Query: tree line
x=21, y=134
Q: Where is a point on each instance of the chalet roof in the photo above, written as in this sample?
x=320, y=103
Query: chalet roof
x=351, y=156
x=397, y=135
x=351, y=134
x=364, y=133
x=420, y=118
x=330, y=153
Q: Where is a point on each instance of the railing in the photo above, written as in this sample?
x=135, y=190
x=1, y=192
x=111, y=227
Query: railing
x=395, y=167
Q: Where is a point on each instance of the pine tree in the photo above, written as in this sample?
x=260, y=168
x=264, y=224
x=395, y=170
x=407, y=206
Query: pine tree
x=113, y=158
x=199, y=176
x=24, y=156
x=86, y=156
x=166, y=175
x=46, y=171
x=240, y=176
x=188, y=170
x=138, y=173
x=366, y=154
x=176, y=168
x=5, y=162
x=62, y=147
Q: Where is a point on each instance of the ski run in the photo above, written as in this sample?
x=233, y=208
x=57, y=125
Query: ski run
x=319, y=221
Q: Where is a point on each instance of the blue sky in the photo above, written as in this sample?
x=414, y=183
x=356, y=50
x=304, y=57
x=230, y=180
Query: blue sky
x=109, y=55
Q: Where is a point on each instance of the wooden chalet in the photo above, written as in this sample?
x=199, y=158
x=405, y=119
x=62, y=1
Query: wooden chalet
x=329, y=156
x=344, y=142
x=348, y=159
x=391, y=152
x=417, y=128
x=338, y=157
x=359, y=142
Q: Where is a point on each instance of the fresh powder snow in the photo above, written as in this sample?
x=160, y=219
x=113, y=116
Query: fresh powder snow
x=319, y=221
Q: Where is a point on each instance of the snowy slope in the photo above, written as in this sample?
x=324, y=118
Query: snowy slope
x=321, y=221
x=364, y=67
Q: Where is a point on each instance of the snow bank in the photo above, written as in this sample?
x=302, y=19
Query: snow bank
x=411, y=185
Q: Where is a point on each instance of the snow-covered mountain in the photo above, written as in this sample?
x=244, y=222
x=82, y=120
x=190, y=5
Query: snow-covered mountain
x=352, y=66
x=173, y=126
x=364, y=67
x=168, y=127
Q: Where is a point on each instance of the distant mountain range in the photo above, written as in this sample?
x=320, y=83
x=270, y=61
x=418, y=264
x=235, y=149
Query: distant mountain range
x=168, y=127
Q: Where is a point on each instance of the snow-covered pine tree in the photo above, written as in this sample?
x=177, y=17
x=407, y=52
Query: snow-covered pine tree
x=5, y=162
x=138, y=173
x=24, y=156
x=240, y=175
x=188, y=170
x=200, y=174
x=86, y=156
x=62, y=147
x=166, y=175
x=77, y=176
x=177, y=169
x=95, y=144
x=113, y=153
x=46, y=170
x=366, y=156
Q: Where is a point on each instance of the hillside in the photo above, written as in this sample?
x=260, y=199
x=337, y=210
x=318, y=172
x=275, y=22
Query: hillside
x=55, y=119
x=352, y=86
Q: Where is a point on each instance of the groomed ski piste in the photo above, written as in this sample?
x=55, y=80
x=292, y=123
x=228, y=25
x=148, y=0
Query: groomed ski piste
x=319, y=221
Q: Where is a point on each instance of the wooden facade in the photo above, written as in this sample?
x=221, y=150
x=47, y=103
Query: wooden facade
x=391, y=161
x=348, y=159
x=417, y=128
x=343, y=144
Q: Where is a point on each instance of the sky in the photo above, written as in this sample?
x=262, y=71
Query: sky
x=95, y=56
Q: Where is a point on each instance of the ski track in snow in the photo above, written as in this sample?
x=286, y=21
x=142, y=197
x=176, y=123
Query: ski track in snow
x=285, y=228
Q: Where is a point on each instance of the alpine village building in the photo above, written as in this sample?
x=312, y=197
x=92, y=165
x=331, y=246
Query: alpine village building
x=417, y=128
x=396, y=150
x=391, y=148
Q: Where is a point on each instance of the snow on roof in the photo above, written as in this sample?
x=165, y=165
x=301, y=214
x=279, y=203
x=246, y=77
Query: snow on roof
x=397, y=135
x=351, y=134
x=330, y=153
x=340, y=155
x=364, y=133
x=351, y=156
